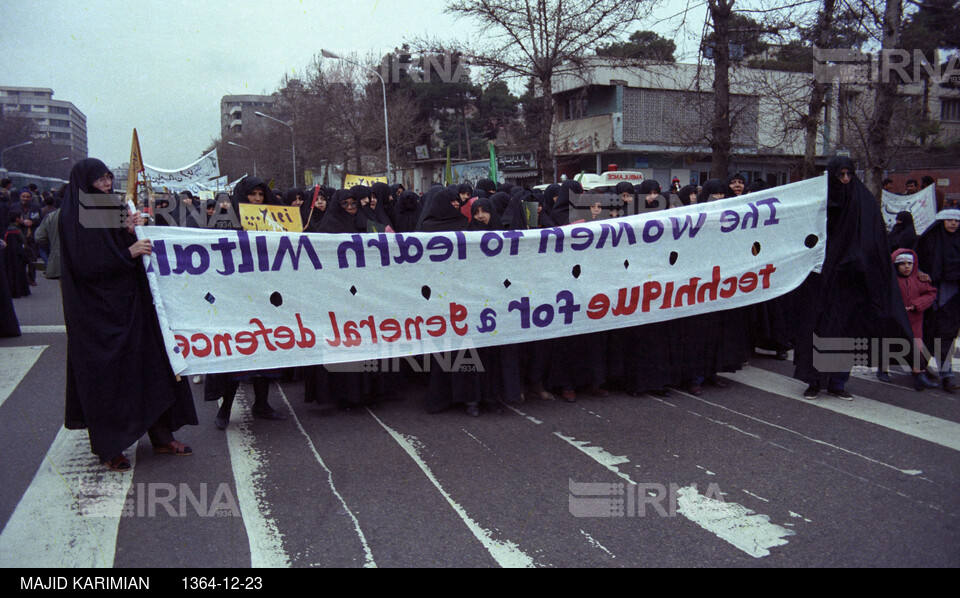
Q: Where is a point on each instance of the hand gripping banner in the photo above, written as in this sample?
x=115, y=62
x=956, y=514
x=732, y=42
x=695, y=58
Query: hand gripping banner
x=246, y=300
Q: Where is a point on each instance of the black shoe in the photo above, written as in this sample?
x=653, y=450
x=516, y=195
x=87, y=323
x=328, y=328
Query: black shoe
x=841, y=394
x=222, y=420
x=921, y=381
x=812, y=391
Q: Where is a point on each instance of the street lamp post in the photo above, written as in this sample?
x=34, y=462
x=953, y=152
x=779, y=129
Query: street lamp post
x=4, y=150
x=386, y=126
x=292, y=141
x=255, y=159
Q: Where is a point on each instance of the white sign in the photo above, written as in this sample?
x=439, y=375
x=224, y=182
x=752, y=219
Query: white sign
x=201, y=171
x=244, y=300
x=922, y=204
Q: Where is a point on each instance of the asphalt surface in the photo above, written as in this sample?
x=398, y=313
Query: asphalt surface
x=747, y=476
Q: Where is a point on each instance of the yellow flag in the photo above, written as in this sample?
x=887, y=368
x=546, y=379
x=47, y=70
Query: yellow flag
x=136, y=168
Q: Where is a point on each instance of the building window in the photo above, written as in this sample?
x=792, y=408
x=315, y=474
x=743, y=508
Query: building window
x=950, y=109
x=575, y=107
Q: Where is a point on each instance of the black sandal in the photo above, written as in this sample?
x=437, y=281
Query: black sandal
x=119, y=463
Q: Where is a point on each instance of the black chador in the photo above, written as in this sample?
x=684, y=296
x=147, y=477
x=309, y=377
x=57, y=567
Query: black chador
x=119, y=380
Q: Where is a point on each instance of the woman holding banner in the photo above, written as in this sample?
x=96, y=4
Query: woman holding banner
x=225, y=386
x=856, y=295
x=119, y=380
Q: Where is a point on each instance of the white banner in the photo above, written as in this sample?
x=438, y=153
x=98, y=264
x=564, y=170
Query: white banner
x=922, y=204
x=201, y=171
x=235, y=301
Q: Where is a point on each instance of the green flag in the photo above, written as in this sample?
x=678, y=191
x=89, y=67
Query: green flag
x=448, y=171
x=493, y=162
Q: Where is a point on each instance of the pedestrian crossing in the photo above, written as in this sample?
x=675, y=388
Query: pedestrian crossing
x=73, y=511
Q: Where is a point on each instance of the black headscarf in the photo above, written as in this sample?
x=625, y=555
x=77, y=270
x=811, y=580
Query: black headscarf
x=514, y=217
x=550, y=196
x=487, y=205
x=733, y=177
x=939, y=253
x=487, y=186
x=308, y=210
x=903, y=235
x=379, y=214
x=441, y=215
x=712, y=187
x=337, y=220
x=406, y=211
x=561, y=209
x=685, y=192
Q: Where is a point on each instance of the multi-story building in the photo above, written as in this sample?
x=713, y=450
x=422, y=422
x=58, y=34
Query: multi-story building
x=237, y=114
x=658, y=120
x=59, y=120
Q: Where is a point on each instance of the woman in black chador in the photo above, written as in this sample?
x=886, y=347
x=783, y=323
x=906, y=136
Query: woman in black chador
x=254, y=191
x=119, y=380
x=454, y=376
x=939, y=253
x=9, y=326
x=856, y=295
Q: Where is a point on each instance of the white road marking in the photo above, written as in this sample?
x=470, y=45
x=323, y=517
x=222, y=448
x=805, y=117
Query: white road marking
x=17, y=362
x=913, y=472
x=925, y=427
x=506, y=553
x=54, y=328
x=597, y=544
x=749, y=531
x=266, y=541
x=598, y=454
x=368, y=554
x=69, y=516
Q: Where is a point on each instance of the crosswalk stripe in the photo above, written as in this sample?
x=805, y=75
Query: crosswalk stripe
x=266, y=545
x=55, y=328
x=925, y=427
x=16, y=361
x=69, y=516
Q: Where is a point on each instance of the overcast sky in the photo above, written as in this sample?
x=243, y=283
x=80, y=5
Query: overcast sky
x=161, y=66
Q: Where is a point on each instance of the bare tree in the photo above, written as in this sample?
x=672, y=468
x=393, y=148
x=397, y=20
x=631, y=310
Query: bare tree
x=885, y=100
x=541, y=39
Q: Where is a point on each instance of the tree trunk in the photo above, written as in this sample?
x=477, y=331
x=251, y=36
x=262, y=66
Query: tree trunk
x=884, y=102
x=721, y=133
x=818, y=92
x=544, y=154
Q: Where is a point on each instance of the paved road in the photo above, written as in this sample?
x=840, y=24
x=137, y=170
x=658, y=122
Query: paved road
x=751, y=475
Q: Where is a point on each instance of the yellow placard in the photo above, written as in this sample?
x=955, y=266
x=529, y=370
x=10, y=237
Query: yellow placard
x=350, y=180
x=270, y=218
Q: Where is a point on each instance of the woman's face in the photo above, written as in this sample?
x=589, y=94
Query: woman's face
x=737, y=186
x=595, y=209
x=373, y=202
x=105, y=183
x=349, y=205
x=651, y=198
x=464, y=196
x=321, y=203
x=482, y=216
x=255, y=195
x=951, y=226
x=297, y=201
x=693, y=197
x=456, y=203
x=626, y=197
x=845, y=175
